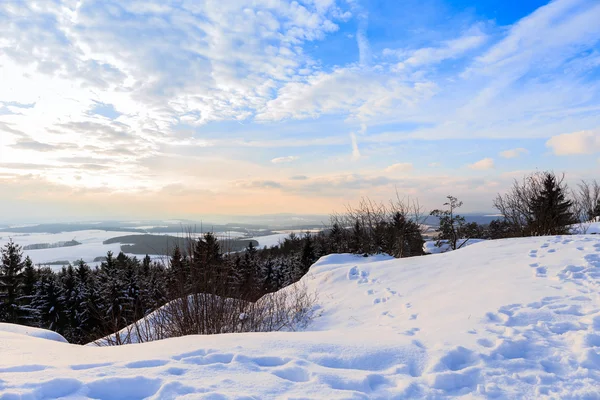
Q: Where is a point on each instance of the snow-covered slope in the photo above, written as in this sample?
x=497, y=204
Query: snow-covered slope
x=511, y=319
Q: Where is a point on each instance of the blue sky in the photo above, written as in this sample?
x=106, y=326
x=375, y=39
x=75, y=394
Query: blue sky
x=182, y=108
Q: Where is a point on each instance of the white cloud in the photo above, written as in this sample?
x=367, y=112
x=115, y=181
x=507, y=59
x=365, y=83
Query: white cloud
x=435, y=164
x=364, y=93
x=582, y=142
x=450, y=49
x=286, y=159
x=355, y=149
x=485, y=164
x=400, y=167
x=513, y=153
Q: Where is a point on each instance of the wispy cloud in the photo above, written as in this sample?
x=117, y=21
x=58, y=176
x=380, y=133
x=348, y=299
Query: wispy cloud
x=400, y=167
x=450, y=49
x=355, y=149
x=286, y=159
x=482, y=165
x=513, y=153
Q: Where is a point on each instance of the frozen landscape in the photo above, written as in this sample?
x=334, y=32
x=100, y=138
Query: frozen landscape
x=92, y=245
x=514, y=318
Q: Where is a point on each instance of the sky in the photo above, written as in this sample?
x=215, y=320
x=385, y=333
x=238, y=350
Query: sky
x=181, y=108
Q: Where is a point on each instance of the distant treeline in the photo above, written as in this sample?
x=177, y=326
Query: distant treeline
x=41, y=246
x=163, y=244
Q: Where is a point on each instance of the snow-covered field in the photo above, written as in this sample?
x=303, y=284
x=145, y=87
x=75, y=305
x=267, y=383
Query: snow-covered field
x=90, y=248
x=92, y=244
x=270, y=240
x=512, y=319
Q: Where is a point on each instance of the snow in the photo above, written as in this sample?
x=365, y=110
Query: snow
x=32, y=332
x=91, y=245
x=270, y=240
x=429, y=247
x=592, y=228
x=514, y=318
x=278, y=237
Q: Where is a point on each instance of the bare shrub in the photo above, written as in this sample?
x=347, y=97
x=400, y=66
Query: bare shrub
x=586, y=204
x=375, y=227
x=289, y=309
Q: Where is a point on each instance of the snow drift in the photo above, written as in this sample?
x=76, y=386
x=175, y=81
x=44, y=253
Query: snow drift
x=517, y=318
x=30, y=331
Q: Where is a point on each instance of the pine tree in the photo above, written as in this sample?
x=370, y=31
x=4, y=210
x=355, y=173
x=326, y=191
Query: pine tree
x=92, y=305
x=550, y=211
x=30, y=278
x=69, y=302
x=11, y=283
x=308, y=256
x=179, y=274
x=46, y=301
x=595, y=213
x=249, y=274
x=356, y=242
x=113, y=291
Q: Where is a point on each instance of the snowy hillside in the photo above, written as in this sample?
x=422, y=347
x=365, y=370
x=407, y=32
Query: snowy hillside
x=516, y=318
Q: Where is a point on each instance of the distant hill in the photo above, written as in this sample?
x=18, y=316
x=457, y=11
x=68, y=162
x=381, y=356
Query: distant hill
x=164, y=244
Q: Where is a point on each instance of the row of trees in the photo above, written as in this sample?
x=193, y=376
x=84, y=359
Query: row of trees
x=538, y=205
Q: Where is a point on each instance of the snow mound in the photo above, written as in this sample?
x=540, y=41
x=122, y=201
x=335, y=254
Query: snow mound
x=430, y=247
x=29, y=331
x=515, y=318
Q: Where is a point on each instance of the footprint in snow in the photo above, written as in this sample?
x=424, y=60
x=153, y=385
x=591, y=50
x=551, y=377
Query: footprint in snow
x=533, y=253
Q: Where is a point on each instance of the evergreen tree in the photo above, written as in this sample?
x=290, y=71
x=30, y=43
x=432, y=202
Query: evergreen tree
x=405, y=236
x=11, y=283
x=355, y=244
x=30, y=278
x=551, y=212
x=69, y=301
x=113, y=292
x=91, y=325
x=336, y=239
x=47, y=301
x=308, y=256
x=500, y=229
x=594, y=214
x=249, y=271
